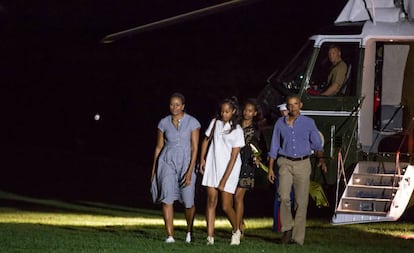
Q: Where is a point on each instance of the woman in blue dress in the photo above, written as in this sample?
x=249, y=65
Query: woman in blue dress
x=173, y=176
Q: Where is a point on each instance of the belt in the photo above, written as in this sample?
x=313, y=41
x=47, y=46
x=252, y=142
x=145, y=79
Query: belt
x=295, y=158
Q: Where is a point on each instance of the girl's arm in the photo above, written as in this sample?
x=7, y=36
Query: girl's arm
x=195, y=134
x=158, y=148
x=234, y=153
x=204, y=144
x=203, y=154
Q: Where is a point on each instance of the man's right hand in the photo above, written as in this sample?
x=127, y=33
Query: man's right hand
x=271, y=176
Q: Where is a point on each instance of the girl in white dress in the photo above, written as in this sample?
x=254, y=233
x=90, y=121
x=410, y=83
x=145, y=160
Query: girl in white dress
x=221, y=166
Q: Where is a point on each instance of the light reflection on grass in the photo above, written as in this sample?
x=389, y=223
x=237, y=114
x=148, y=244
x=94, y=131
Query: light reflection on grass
x=98, y=215
x=12, y=216
x=89, y=220
x=394, y=229
x=89, y=214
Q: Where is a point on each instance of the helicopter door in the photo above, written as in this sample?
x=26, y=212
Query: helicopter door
x=388, y=90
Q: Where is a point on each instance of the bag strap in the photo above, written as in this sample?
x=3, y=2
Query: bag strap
x=212, y=131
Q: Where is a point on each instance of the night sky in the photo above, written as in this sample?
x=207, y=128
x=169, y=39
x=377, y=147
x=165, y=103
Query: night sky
x=57, y=76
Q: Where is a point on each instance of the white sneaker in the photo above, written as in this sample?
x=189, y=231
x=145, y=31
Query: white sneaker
x=235, y=238
x=170, y=239
x=188, y=237
x=210, y=240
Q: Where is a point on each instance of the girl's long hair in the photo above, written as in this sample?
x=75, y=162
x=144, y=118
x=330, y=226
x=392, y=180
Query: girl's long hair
x=234, y=105
x=258, y=119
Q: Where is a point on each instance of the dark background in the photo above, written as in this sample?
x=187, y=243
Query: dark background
x=57, y=75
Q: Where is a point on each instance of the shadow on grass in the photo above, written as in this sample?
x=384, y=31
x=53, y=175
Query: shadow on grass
x=20, y=202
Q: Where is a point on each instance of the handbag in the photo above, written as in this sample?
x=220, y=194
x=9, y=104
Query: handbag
x=210, y=137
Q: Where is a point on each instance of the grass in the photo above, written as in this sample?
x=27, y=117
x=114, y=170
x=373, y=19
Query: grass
x=44, y=225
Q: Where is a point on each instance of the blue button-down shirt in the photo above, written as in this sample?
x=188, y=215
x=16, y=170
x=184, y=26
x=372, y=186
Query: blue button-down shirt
x=296, y=141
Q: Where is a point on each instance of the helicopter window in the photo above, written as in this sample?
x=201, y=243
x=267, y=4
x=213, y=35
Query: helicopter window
x=291, y=78
x=335, y=75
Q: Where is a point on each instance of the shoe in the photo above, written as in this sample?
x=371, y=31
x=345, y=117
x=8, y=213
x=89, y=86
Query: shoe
x=235, y=238
x=170, y=239
x=210, y=240
x=287, y=237
x=293, y=242
x=188, y=237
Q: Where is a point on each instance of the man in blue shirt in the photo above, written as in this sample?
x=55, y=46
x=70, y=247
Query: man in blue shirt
x=294, y=138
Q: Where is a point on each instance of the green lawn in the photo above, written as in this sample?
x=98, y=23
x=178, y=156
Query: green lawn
x=43, y=225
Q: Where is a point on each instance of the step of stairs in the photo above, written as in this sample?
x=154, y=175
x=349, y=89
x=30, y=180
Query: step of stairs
x=376, y=191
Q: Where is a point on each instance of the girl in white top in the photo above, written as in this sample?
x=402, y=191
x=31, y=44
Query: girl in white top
x=221, y=166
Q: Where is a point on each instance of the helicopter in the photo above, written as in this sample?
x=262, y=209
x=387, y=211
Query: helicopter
x=368, y=125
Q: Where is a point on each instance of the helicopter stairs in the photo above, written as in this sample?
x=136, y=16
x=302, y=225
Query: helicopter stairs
x=375, y=192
